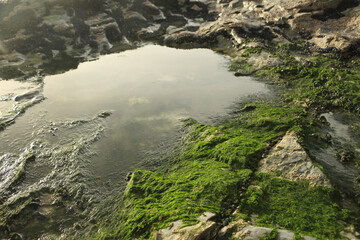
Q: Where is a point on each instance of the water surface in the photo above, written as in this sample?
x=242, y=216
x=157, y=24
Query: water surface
x=148, y=90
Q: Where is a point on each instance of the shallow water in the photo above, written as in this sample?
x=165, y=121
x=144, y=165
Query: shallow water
x=8, y=90
x=148, y=90
x=341, y=174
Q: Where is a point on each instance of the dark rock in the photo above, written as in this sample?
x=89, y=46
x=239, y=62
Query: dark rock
x=248, y=108
x=324, y=121
x=104, y=114
x=345, y=156
x=128, y=176
x=113, y=34
x=17, y=236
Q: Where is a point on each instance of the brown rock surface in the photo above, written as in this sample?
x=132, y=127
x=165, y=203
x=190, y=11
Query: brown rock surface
x=288, y=159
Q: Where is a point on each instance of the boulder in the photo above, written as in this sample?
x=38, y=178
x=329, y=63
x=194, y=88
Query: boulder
x=289, y=160
x=103, y=30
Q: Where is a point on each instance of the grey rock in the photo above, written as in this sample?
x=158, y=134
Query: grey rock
x=27, y=95
x=232, y=227
x=285, y=235
x=202, y=230
x=292, y=162
x=309, y=238
x=253, y=232
x=206, y=216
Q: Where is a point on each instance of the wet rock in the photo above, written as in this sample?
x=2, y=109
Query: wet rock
x=17, y=236
x=345, y=156
x=309, y=238
x=30, y=157
x=262, y=60
x=102, y=115
x=285, y=235
x=206, y=216
x=206, y=229
x=349, y=235
x=252, y=232
x=128, y=176
x=282, y=20
x=134, y=21
x=290, y=160
x=103, y=30
x=248, y=108
x=27, y=95
x=231, y=228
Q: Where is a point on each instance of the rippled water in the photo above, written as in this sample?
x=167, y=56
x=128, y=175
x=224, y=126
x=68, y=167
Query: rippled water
x=148, y=90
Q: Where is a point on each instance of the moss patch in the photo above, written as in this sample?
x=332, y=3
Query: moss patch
x=10, y=72
x=317, y=84
x=250, y=51
x=323, y=81
x=209, y=175
x=295, y=206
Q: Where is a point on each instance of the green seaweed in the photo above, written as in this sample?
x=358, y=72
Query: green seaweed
x=250, y=51
x=321, y=81
x=295, y=206
x=272, y=236
x=215, y=166
x=10, y=72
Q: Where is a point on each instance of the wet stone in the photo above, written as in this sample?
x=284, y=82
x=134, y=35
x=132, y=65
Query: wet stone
x=128, y=176
x=292, y=162
x=285, y=235
x=253, y=232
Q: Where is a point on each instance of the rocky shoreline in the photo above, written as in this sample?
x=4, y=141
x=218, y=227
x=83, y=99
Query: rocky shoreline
x=81, y=30
x=268, y=162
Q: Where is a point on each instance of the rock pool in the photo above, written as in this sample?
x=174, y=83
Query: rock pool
x=99, y=122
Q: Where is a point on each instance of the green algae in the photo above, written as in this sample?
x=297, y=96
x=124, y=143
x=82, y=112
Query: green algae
x=315, y=84
x=322, y=81
x=210, y=174
x=10, y=72
x=250, y=51
x=295, y=206
x=272, y=236
x=215, y=171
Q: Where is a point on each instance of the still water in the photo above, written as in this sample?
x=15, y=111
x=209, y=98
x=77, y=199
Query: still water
x=148, y=91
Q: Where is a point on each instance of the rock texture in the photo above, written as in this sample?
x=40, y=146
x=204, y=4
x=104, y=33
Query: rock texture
x=290, y=161
x=253, y=232
x=38, y=31
x=327, y=25
x=207, y=229
x=80, y=27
